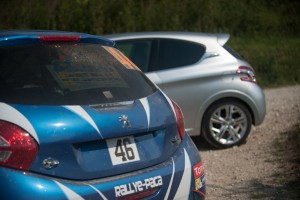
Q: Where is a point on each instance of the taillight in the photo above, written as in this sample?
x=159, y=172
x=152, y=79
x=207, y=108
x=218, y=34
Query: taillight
x=247, y=74
x=17, y=147
x=179, y=119
x=140, y=195
x=59, y=38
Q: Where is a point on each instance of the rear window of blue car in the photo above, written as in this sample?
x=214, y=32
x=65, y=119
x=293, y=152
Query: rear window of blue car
x=69, y=74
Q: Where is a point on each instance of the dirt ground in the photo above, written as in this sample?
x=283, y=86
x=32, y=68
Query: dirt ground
x=268, y=165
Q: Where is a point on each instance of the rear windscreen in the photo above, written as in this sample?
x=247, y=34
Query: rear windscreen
x=69, y=74
x=232, y=52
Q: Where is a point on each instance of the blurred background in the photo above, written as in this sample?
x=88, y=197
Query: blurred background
x=265, y=32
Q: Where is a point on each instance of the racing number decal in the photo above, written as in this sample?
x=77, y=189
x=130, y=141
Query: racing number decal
x=122, y=150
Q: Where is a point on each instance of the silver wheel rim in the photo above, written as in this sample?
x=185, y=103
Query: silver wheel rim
x=228, y=124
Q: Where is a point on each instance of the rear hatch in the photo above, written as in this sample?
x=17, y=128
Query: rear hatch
x=93, y=141
x=91, y=111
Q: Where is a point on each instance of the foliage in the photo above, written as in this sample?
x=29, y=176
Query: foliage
x=246, y=17
x=274, y=59
x=266, y=32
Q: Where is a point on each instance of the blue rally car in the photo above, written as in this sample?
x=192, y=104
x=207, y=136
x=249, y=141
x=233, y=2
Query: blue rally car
x=78, y=120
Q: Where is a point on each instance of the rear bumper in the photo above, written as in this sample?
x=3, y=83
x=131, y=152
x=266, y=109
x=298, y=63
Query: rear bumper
x=180, y=177
x=257, y=103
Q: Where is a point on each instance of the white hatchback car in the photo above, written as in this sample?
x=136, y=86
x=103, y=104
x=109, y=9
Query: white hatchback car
x=213, y=85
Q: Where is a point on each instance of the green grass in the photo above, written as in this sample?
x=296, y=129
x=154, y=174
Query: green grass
x=274, y=59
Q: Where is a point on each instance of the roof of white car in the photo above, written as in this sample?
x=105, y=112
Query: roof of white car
x=221, y=38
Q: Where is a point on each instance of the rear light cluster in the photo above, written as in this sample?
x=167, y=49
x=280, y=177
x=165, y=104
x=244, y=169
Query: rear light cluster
x=179, y=119
x=140, y=195
x=59, y=38
x=247, y=74
x=17, y=147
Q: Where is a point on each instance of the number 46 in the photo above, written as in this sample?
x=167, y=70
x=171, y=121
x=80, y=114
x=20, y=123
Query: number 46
x=124, y=150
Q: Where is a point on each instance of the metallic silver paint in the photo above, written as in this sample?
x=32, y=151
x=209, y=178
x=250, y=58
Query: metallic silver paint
x=212, y=78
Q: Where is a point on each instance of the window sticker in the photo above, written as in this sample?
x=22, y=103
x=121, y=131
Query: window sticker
x=77, y=77
x=121, y=58
x=108, y=94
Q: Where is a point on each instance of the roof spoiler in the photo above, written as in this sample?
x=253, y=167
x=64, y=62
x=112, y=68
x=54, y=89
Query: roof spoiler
x=222, y=38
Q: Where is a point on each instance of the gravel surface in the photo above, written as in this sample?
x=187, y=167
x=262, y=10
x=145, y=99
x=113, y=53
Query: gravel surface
x=267, y=166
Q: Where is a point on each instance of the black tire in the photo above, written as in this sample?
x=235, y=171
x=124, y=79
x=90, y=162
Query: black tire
x=226, y=123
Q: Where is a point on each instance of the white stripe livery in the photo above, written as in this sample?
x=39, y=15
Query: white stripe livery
x=171, y=181
x=170, y=102
x=145, y=104
x=12, y=115
x=84, y=115
x=183, y=190
x=68, y=192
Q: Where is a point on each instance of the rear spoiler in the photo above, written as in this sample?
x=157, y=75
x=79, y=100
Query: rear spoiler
x=222, y=38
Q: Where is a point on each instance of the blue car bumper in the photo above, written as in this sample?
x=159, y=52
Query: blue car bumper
x=179, y=177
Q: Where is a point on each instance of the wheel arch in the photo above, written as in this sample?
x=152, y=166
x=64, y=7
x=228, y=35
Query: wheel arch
x=226, y=96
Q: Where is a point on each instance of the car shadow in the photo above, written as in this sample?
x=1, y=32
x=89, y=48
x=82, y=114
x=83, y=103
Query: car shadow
x=201, y=144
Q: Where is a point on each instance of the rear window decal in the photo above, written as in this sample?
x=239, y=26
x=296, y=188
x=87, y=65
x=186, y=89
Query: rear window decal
x=121, y=58
x=108, y=94
x=74, y=77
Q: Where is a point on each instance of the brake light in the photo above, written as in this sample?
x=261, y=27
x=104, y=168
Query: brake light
x=59, y=38
x=140, y=195
x=17, y=147
x=248, y=74
x=179, y=119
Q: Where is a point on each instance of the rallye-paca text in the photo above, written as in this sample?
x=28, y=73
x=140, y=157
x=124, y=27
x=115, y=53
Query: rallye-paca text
x=138, y=186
